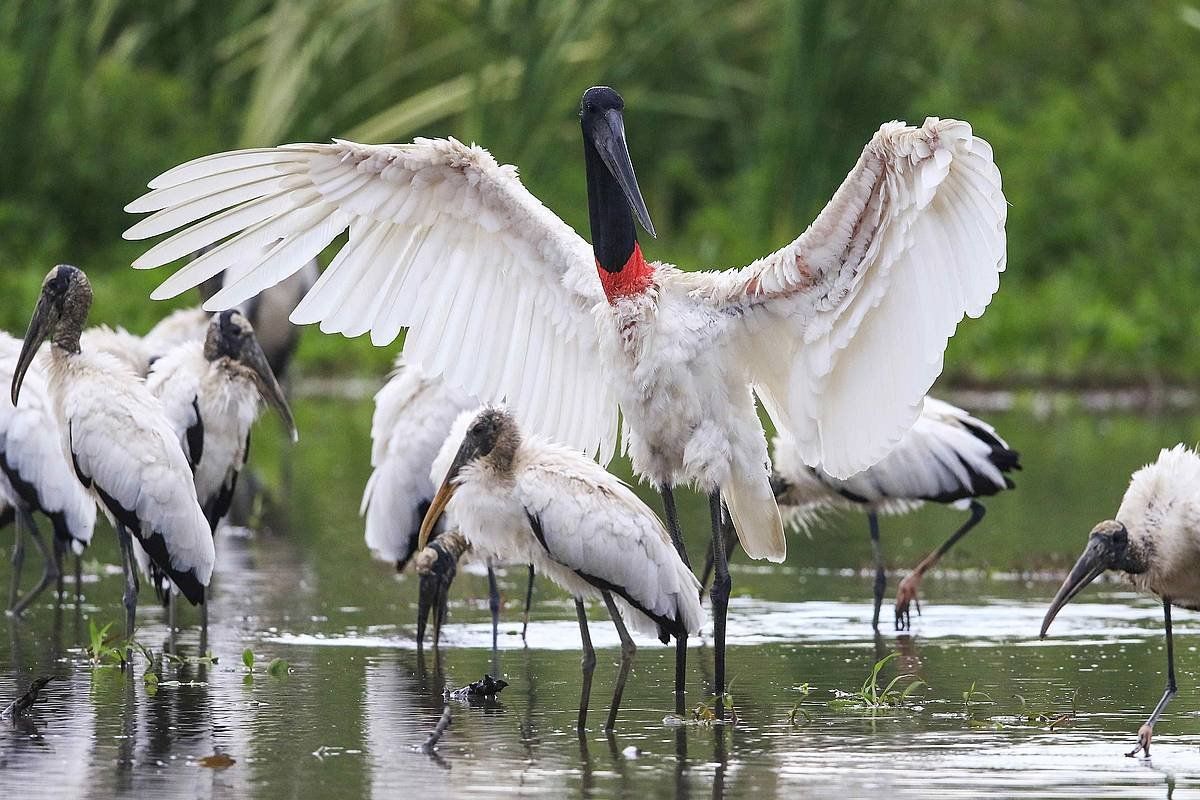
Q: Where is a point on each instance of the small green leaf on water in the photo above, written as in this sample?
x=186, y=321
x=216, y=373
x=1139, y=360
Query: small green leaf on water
x=278, y=668
x=151, y=681
x=248, y=658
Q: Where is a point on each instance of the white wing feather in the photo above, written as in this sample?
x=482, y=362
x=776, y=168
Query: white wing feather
x=944, y=457
x=118, y=436
x=594, y=523
x=413, y=415
x=442, y=240
x=845, y=327
x=31, y=446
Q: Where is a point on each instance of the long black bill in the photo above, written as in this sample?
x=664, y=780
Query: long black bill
x=253, y=357
x=1086, y=569
x=39, y=328
x=609, y=138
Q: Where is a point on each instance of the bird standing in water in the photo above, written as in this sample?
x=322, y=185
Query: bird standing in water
x=119, y=441
x=839, y=333
x=1155, y=542
x=524, y=500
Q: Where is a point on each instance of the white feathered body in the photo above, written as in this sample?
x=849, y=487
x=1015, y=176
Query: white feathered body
x=1161, y=511
x=413, y=415
x=31, y=449
x=592, y=524
x=119, y=343
x=228, y=401
x=125, y=450
x=948, y=456
x=180, y=326
x=689, y=410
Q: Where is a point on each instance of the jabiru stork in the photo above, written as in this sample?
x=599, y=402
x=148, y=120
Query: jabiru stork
x=839, y=333
x=1155, y=542
x=212, y=391
x=35, y=478
x=119, y=442
x=523, y=499
x=947, y=457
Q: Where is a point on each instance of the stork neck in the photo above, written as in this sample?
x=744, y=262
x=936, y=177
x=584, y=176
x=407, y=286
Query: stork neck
x=622, y=269
x=66, y=337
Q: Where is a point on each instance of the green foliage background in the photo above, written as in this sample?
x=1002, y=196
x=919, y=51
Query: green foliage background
x=743, y=118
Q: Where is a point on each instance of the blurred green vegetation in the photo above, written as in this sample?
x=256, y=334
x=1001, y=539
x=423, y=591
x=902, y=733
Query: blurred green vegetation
x=743, y=117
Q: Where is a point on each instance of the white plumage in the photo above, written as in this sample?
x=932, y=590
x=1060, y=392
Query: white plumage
x=948, y=456
x=840, y=332
x=1155, y=542
x=1161, y=511
x=591, y=529
x=32, y=457
x=119, y=441
x=134, y=351
x=413, y=415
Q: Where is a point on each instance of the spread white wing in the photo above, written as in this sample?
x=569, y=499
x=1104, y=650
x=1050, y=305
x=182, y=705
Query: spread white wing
x=844, y=329
x=496, y=290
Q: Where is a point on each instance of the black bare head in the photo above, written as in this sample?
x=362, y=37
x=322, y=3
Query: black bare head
x=492, y=440
x=231, y=336
x=60, y=314
x=1108, y=548
x=612, y=185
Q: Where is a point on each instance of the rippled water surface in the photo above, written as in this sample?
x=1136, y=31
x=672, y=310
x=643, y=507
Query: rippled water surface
x=1046, y=719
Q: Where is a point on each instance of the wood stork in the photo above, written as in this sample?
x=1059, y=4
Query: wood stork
x=1155, y=541
x=947, y=457
x=414, y=413
x=212, y=391
x=840, y=332
x=526, y=500
x=34, y=477
x=119, y=441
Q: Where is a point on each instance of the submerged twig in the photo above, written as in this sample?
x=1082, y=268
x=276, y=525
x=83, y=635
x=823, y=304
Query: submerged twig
x=433, y=738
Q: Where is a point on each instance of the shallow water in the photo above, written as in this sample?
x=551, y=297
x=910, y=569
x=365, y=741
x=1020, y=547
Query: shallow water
x=359, y=700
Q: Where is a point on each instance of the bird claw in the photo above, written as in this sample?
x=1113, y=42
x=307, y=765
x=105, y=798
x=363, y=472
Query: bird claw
x=906, y=596
x=1143, y=745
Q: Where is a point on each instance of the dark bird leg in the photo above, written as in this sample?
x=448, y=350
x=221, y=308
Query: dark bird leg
x=494, y=603
x=203, y=620
x=60, y=548
x=1147, y=730
x=440, y=607
x=672, y=514
x=171, y=621
x=131, y=581
x=906, y=593
x=720, y=599
x=18, y=561
x=628, y=651
x=588, y=663
x=49, y=572
x=731, y=543
x=528, y=603
x=880, y=575
x=78, y=579
x=681, y=642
